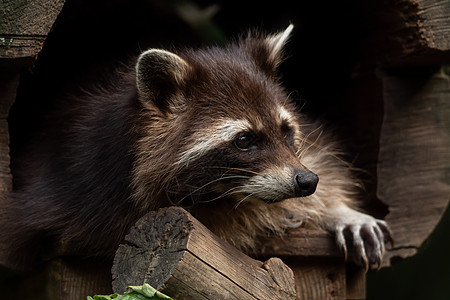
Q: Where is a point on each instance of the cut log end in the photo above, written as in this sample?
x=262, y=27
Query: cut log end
x=176, y=254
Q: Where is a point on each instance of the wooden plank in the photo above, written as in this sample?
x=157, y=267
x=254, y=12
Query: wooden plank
x=410, y=32
x=17, y=46
x=318, y=278
x=8, y=87
x=24, y=25
x=319, y=268
x=300, y=242
x=72, y=278
x=28, y=18
x=172, y=251
x=414, y=158
x=434, y=23
x=356, y=283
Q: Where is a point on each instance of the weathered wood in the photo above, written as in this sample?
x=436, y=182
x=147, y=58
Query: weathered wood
x=408, y=32
x=355, y=283
x=300, y=242
x=76, y=278
x=8, y=88
x=414, y=158
x=173, y=252
x=318, y=278
x=434, y=23
x=319, y=268
x=24, y=26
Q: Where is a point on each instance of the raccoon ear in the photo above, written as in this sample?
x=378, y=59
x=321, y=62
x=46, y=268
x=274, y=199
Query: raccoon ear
x=276, y=44
x=159, y=75
x=272, y=53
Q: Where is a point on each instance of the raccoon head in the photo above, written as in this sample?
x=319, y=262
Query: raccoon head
x=219, y=125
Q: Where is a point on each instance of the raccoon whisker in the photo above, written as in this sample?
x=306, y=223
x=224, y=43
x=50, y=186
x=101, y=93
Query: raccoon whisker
x=209, y=183
x=312, y=144
x=300, y=152
x=289, y=97
x=243, y=199
x=306, y=140
x=178, y=203
x=236, y=169
x=170, y=199
x=224, y=194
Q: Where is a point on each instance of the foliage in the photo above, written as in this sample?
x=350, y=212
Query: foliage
x=143, y=292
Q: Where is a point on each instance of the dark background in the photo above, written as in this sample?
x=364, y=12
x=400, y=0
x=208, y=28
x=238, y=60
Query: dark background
x=91, y=38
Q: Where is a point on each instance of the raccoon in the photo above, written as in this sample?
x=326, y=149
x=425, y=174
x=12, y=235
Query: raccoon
x=211, y=130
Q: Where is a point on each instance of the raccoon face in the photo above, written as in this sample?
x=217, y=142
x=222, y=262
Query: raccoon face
x=234, y=128
x=267, y=164
x=234, y=158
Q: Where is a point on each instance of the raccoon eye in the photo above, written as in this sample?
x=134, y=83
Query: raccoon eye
x=286, y=132
x=245, y=141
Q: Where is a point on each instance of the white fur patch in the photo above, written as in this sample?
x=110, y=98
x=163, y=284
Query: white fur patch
x=285, y=114
x=277, y=42
x=274, y=184
x=163, y=60
x=204, y=141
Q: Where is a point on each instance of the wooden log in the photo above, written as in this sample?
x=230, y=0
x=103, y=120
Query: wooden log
x=75, y=278
x=409, y=32
x=300, y=242
x=24, y=26
x=319, y=268
x=176, y=254
x=414, y=157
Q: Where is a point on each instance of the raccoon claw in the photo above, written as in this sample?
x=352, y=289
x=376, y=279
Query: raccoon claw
x=360, y=237
x=386, y=233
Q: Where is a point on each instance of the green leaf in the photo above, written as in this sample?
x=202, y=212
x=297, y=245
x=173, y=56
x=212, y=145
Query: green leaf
x=133, y=296
x=143, y=292
x=149, y=292
x=104, y=297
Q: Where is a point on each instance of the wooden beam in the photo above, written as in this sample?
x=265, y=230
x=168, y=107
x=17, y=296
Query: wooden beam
x=8, y=87
x=24, y=26
x=404, y=33
x=176, y=254
x=414, y=157
x=300, y=242
x=319, y=268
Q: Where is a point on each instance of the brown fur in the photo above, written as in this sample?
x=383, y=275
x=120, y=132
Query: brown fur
x=167, y=134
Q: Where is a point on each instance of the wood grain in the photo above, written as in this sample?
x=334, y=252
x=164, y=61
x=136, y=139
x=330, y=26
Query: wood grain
x=319, y=268
x=300, y=242
x=318, y=278
x=434, y=23
x=414, y=158
x=404, y=33
x=24, y=26
x=8, y=88
x=76, y=278
x=173, y=252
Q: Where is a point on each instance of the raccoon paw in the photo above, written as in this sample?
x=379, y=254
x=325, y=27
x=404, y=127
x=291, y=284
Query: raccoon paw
x=361, y=237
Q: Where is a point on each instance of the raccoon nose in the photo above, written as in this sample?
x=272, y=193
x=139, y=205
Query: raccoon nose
x=305, y=183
